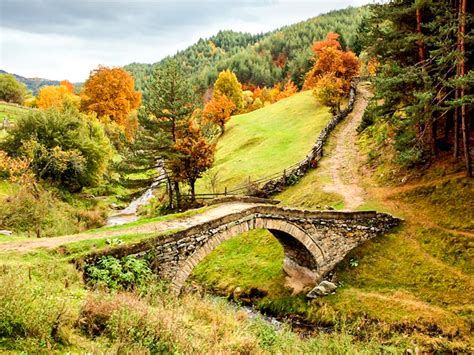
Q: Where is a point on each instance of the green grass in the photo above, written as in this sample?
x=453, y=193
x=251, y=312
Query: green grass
x=266, y=141
x=11, y=112
x=261, y=267
x=412, y=287
x=450, y=203
x=308, y=193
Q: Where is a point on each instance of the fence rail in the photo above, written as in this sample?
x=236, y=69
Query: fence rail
x=276, y=182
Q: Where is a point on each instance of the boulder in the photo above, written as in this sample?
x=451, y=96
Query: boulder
x=5, y=232
x=323, y=289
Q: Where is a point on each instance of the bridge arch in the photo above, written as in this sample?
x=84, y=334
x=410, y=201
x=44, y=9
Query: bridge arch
x=302, y=254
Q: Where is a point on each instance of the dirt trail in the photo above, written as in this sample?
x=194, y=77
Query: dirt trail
x=343, y=160
x=180, y=223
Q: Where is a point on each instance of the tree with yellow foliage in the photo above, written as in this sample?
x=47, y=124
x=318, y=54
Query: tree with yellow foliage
x=56, y=97
x=329, y=91
x=227, y=84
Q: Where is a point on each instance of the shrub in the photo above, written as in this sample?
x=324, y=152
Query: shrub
x=11, y=90
x=127, y=273
x=34, y=212
x=64, y=147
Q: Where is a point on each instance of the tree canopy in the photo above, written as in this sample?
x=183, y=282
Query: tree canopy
x=65, y=148
x=110, y=93
x=11, y=90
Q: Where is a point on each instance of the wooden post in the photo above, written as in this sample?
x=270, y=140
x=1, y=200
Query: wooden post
x=225, y=191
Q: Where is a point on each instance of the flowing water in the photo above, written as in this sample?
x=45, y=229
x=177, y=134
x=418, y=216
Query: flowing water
x=129, y=214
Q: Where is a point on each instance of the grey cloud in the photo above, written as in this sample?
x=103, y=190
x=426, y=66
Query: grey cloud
x=112, y=19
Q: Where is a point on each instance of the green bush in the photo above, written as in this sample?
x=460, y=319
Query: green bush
x=11, y=90
x=65, y=148
x=127, y=273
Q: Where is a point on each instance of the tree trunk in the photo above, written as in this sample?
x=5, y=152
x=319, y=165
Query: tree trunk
x=178, y=195
x=192, y=184
x=421, y=47
x=421, y=58
x=169, y=187
x=456, y=128
x=462, y=69
x=434, y=129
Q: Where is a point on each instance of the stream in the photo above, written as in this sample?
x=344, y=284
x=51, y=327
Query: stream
x=129, y=214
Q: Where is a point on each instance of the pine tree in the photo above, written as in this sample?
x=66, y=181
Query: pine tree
x=168, y=104
x=425, y=76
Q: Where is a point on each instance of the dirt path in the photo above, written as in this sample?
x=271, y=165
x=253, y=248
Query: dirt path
x=343, y=160
x=180, y=223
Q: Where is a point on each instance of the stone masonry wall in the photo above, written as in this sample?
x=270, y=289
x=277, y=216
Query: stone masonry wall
x=328, y=235
x=277, y=185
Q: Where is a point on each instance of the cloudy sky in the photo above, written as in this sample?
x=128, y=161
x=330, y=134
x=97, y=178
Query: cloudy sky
x=65, y=39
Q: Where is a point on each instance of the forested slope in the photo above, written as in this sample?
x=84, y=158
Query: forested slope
x=260, y=60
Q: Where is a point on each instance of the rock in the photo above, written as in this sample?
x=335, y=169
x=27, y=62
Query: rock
x=329, y=208
x=323, y=289
x=316, y=292
x=328, y=286
x=114, y=206
x=5, y=232
x=237, y=293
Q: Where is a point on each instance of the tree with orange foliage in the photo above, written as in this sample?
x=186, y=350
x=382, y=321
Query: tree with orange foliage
x=68, y=85
x=330, y=58
x=289, y=90
x=218, y=111
x=53, y=97
x=110, y=93
x=194, y=156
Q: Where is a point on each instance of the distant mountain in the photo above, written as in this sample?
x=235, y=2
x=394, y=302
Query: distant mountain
x=33, y=84
x=262, y=59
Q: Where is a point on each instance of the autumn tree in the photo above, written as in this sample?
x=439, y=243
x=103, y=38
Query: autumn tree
x=57, y=97
x=68, y=85
x=329, y=91
x=110, y=93
x=218, y=111
x=194, y=156
x=11, y=90
x=289, y=90
x=330, y=58
x=227, y=84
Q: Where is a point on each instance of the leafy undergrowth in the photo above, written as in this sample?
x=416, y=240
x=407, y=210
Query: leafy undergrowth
x=266, y=141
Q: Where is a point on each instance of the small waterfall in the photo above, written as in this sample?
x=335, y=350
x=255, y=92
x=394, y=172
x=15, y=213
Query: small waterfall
x=129, y=214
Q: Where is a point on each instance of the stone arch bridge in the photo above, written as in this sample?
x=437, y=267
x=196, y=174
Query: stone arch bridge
x=313, y=241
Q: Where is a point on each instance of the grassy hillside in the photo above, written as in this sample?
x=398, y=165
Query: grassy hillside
x=266, y=141
x=411, y=288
